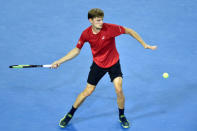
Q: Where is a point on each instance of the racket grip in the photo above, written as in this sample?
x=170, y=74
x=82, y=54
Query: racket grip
x=46, y=66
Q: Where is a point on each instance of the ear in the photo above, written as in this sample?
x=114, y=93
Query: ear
x=90, y=20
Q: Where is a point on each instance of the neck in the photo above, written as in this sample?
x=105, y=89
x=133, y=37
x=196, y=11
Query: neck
x=95, y=30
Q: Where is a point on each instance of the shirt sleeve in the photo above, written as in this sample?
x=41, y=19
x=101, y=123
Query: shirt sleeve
x=116, y=30
x=81, y=41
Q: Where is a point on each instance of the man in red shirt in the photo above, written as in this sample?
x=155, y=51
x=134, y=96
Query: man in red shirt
x=101, y=37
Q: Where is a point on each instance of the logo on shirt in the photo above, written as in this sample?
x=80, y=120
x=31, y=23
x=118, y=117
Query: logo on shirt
x=79, y=42
x=103, y=37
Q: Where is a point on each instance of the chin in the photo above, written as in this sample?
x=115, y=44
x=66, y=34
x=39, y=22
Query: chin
x=100, y=27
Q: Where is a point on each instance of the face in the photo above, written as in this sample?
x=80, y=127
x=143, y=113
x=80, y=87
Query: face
x=97, y=22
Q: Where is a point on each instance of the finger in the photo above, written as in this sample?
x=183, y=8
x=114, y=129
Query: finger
x=155, y=47
x=53, y=66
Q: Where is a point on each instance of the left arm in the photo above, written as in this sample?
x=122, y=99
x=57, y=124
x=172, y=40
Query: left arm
x=138, y=38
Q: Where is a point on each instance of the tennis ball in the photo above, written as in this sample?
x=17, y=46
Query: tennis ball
x=165, y=75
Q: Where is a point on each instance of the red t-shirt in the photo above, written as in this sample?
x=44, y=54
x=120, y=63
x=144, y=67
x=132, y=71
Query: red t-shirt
x=102, y=44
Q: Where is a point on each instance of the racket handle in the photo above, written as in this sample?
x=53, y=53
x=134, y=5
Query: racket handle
x=46, y=66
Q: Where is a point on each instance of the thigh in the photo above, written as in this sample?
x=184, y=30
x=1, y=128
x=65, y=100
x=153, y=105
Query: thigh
x=95, y=74
x=115, y=71
x=89, y=88
x=118, y=84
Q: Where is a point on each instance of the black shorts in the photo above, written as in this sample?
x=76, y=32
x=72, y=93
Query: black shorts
x=96, y=73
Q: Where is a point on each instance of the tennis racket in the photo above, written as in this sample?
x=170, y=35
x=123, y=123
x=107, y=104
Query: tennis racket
x=29, y=66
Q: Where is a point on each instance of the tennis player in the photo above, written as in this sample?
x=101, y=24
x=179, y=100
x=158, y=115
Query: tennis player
x=101, y=37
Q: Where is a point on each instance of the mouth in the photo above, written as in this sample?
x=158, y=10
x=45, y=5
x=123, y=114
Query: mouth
x=100, y=26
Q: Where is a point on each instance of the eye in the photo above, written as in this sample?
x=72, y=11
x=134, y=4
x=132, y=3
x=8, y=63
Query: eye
x=99, y=20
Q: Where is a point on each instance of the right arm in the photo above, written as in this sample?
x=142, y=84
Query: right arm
x=73, y=53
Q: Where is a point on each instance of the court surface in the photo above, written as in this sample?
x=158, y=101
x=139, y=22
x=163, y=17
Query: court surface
x=42, y=31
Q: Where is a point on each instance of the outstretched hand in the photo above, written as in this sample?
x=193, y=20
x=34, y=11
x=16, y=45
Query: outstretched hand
x=150, y=47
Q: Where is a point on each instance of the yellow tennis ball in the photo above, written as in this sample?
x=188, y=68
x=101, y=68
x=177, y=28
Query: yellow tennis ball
x=165, y=75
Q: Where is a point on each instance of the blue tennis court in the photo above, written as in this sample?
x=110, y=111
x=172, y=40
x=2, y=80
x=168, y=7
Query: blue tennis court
x=42, y=31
